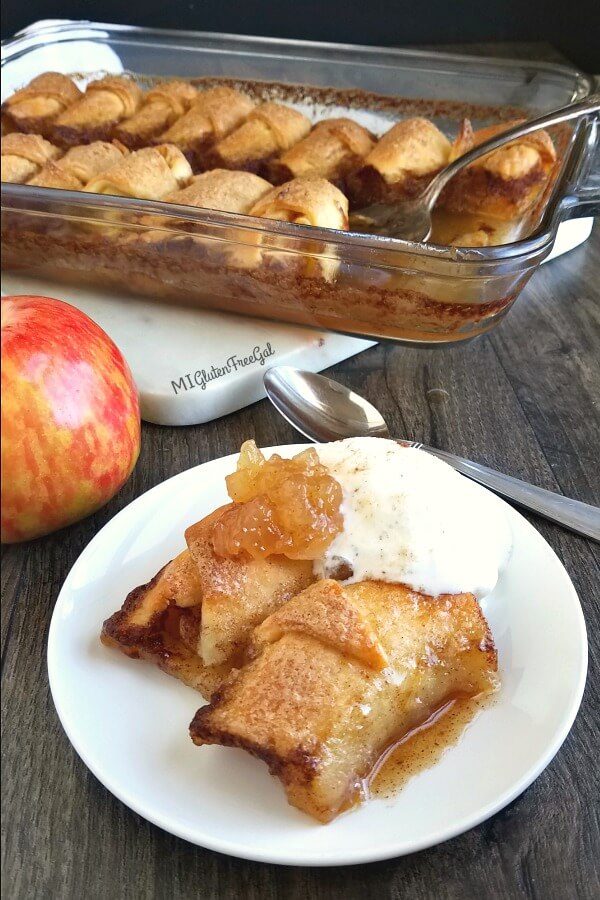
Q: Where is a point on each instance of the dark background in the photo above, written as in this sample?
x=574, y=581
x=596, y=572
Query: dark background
x=572, y=27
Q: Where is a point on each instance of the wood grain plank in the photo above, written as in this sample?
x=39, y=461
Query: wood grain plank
x=548, y=349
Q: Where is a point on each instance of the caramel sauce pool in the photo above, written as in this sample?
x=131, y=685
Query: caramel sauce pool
x=447, y=225
x=423, y=747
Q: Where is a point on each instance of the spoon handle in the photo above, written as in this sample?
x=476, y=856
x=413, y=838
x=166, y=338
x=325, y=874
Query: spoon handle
x=572, y=514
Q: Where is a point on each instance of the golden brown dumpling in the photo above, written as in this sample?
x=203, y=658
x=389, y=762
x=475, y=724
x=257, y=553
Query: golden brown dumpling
x=195, y=617
x=105, y=103
x=214, y=113
x=24, y=155
x=221, y=189
x=147, y=174
x=161, y=106
x=506, y=182
x=269, y=130
x=333, y=148
x=305, y=201
x=341, y=674
x=400, y=164
x=34, y=108
x=79, y=165
x=302, y=201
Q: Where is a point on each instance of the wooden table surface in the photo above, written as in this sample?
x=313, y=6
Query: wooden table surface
x=524, y=400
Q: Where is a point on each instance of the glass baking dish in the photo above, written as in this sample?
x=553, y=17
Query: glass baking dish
x=364, y=285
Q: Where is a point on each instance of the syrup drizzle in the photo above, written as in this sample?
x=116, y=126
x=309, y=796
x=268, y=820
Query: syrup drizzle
x=423, y=747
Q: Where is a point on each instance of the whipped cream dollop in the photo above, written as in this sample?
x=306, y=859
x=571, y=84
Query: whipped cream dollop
x=410, y=518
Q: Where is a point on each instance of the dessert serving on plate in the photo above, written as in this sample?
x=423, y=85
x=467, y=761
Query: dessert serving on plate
x=327, y=613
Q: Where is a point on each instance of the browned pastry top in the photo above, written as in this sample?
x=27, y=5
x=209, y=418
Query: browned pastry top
x=23, y=155
x=353, y=136
x=513, y=161
x=79, y=165
x=148, y=174
x=269, y=129
x=219, y=189
x=412, y=146
x=160, y=108
x=89, y=160
x=325, y=611
x=326, y=146
x=318, y=713
x=178, y=95
x=105, y=100
x=305, y=201
x=215, y=112
x=53, y=176
x=31, y=147
x=287, y=124
x=221, y=128
x=396, y=625
x=47, y=94
x=222, y=189
x=129, y=93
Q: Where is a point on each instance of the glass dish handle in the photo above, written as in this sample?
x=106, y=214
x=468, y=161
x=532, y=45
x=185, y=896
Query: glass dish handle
x=583, y=197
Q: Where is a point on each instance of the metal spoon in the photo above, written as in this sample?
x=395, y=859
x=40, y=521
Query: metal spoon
x=323, y=410
x=410, y=220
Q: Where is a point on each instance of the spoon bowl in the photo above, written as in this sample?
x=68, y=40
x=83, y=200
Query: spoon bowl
x=319, y=408
x=324, y=410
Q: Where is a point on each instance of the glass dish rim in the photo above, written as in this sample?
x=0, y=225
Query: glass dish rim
x=540, y=241
x=46, y=26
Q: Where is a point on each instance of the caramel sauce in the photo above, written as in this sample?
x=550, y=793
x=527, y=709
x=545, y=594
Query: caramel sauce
x=423, y=747
x=448, y=225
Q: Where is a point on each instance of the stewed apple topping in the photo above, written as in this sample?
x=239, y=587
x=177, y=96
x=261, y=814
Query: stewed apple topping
x=282, y=506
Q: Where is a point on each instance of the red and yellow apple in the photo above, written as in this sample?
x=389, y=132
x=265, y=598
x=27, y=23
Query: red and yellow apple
x=70, y=417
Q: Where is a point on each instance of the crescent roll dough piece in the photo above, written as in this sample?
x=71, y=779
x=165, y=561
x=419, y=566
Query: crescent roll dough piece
x=269, y=129
x=331, y=150
x=221, y=189
x=303, y=201
x=79, y=165
x=237, y=594
x=323, y=612
x=160, y=621
x=147, y=174
x=214, y=113
x=401, y=162
x=23, y=155
x=105, y=103
x=195, y=617
x=412, y=147
x=52, y=176
x=506, y=182
x=35, y=107
x=160, y=108
x=340, y=678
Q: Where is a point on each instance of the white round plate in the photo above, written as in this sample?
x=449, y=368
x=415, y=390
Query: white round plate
x=129, y=721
